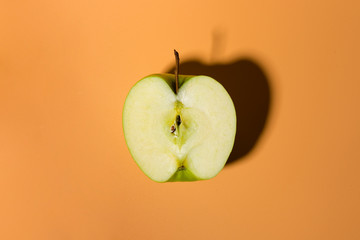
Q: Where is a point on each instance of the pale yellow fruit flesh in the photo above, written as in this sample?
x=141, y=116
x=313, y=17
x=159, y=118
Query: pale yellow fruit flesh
x=201, y=143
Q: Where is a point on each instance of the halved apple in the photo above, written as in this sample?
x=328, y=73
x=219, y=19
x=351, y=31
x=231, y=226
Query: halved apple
x=183, y=135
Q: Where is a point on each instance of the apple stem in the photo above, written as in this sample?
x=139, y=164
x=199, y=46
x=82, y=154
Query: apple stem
x=177, y=60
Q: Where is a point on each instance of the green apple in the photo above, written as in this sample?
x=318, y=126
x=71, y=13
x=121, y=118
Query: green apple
x=179, y=127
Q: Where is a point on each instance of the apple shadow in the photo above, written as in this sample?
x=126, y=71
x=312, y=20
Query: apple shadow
x=249, y=88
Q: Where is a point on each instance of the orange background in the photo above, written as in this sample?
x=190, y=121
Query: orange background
x=67, y=66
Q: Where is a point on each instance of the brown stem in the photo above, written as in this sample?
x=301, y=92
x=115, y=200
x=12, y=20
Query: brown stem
x=177, y=60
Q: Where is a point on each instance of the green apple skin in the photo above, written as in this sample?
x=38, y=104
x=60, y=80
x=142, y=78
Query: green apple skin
x=168, y=150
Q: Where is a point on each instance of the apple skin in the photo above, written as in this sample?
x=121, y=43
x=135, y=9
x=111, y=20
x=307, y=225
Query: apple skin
x=185, y=174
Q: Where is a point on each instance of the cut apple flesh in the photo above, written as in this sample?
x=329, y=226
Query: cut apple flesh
x=179, y=137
